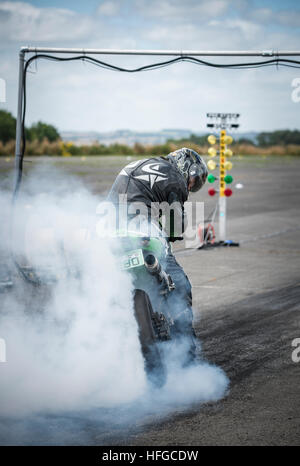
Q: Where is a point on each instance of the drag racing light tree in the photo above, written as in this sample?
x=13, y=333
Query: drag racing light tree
x=220, y=121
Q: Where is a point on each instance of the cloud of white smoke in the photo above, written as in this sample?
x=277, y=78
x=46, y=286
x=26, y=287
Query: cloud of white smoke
x=74, y=346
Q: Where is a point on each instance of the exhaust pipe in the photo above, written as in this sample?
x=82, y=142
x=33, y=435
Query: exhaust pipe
x=154, y=268
x=152, y=264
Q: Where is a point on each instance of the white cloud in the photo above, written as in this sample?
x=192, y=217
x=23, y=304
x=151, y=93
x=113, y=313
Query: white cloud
x=267, y=16
x=180, y=10
x=231, y=34
x=109, y=8
x=21, y=21
x=248, y=29
x=24, y=9
x=289, y=18
x=261, y=15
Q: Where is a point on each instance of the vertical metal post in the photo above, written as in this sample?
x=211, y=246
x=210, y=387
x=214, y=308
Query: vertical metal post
x=222, y=197
x=18, y=155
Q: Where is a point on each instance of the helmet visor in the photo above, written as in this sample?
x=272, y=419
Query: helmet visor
x=195, y=183
x=196, y=178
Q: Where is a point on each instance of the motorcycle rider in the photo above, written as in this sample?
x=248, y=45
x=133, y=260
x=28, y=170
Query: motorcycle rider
x=167, y=179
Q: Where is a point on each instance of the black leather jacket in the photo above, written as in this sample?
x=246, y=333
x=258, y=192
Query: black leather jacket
x=153, y=180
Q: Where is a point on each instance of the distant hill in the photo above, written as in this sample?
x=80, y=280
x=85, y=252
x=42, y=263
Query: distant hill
x=129, y=137
x=125, y=136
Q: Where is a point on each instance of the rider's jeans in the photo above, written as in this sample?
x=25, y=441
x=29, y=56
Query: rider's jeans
x=179, y=300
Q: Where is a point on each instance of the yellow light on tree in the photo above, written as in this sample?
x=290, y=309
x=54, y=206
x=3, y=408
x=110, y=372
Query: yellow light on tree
x=228, y=165
x=228, y=139
x=212, y=139
x=228, y=153
x=211, y=164
x=212, y=152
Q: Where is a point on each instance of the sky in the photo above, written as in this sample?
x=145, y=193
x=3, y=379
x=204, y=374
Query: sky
x=81, y=97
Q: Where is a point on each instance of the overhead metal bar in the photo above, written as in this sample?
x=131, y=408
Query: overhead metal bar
x=179, y=53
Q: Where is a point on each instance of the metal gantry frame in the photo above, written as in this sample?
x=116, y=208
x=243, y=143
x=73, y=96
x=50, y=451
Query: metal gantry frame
x=77, y=51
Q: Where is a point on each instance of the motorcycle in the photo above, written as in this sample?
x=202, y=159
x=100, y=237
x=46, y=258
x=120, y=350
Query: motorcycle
x=143, y=257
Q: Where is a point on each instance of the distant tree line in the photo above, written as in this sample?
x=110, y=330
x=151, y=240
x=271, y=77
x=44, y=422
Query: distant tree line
x=38, y=131
x=266, y=139
x=280, y=137
x=44, y=139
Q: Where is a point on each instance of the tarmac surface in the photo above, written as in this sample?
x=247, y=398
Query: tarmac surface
x=246, y=304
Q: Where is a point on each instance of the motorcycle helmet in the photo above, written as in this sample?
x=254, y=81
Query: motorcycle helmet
x=192, y=167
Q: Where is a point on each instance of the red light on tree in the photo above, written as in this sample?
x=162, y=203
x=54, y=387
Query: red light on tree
x=212, y=191
x=227, y=192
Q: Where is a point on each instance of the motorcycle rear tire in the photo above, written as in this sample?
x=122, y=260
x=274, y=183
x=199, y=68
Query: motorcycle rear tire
x=154, y=364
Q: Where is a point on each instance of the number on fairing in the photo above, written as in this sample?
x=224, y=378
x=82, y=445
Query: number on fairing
x=133, y=259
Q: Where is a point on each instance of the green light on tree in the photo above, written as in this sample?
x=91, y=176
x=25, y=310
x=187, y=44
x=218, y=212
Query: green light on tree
x=228, y=179
x=211, y=178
